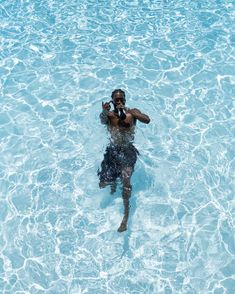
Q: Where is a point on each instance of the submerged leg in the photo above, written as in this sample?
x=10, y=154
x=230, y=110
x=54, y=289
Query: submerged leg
x=113, y=187
x=103, y=184
x=126, y=194
x=112, y=184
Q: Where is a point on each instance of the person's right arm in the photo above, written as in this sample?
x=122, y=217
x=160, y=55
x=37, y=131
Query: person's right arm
x=104, y=114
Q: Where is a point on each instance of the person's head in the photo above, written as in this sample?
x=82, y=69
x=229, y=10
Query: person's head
x=118, y=97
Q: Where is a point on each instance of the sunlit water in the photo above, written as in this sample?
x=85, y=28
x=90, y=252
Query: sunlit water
x=58, y=231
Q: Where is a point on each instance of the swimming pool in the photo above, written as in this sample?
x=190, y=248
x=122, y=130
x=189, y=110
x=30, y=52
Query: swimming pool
x=58, y=61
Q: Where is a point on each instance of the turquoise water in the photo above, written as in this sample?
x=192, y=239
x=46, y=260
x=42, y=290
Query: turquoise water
x=58, y=231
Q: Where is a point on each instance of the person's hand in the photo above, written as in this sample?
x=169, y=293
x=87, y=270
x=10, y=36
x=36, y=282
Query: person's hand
x=123, y=107
x=106, y=106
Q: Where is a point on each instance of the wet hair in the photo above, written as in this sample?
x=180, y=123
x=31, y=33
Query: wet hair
x=121, y=91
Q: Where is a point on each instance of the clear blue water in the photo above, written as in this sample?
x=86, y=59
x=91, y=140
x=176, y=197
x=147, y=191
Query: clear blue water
x=58, y=231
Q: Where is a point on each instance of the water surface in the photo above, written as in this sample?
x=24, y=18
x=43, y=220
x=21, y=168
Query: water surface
x=58, y=61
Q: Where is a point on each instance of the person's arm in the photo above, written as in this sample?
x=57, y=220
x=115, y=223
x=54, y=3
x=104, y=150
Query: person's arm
x=144, y=118
x=104, y=114
x=104, y=117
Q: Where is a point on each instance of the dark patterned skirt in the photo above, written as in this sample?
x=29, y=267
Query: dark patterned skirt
x=117, y=158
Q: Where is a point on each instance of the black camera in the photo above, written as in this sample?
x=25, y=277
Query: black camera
x=121, y=114
x=120, y=111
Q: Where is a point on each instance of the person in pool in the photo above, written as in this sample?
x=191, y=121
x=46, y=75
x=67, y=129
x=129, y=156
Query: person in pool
x=121, y=155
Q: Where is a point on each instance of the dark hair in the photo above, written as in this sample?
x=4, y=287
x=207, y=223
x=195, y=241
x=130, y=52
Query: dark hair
x=119, y=90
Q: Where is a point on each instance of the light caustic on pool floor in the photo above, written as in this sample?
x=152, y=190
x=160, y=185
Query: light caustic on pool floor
x=58, y=62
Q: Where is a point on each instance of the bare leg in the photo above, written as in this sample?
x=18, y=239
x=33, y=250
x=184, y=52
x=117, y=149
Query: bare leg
x=126, y=194
x=113, y=187
x=103, y=184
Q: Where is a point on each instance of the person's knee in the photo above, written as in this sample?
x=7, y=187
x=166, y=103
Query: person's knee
x=127, y=172
x=127, y=188
x=126, y=192
x=126, y=182
x=126, y=178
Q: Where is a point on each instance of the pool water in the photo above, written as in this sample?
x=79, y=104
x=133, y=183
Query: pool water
x=58, y=231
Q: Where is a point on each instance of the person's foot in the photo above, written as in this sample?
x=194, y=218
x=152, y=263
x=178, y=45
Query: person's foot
x=123, y=227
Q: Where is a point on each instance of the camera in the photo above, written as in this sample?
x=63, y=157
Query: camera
x=121, y=114
x=120, y=111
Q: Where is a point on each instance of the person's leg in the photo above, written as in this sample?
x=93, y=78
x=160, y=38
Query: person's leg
x=105, y=174
x=109, y=170
x=113, y=187
x=126, y=194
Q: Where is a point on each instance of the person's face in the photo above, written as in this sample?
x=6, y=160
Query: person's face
x=118, y=99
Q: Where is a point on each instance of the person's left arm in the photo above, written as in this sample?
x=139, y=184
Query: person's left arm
x=137, y=114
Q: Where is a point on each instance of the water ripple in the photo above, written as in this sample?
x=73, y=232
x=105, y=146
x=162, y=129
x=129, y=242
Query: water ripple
x=58, y=61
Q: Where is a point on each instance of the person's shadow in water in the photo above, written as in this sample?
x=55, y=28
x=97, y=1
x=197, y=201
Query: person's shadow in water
x=127, y=234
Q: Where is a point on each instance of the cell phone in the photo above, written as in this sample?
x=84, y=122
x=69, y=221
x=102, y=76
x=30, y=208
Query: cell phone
x=122, y=114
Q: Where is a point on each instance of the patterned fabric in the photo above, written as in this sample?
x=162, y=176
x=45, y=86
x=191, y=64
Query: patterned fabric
x=116, y=158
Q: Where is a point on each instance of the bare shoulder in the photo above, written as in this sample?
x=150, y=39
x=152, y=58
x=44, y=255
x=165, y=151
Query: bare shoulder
x=137, y=114
x=134, y=110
